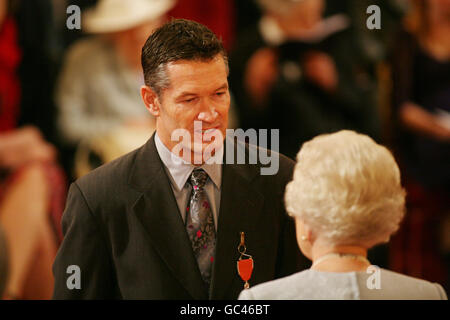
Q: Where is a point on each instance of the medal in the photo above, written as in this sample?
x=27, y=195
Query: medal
x=245, y=263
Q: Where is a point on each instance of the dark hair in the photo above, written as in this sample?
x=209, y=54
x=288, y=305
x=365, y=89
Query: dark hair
x=178, y=39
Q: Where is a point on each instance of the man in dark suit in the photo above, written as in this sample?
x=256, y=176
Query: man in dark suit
x=161, y=223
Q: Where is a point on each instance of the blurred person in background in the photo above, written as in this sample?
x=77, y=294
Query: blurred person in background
x=100, y=108
x=420, y=65
x=32, y=186
x=346, y=196
x=374, y=43
x=294, y=71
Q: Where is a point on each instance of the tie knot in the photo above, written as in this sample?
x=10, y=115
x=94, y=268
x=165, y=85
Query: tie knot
x=198, y=178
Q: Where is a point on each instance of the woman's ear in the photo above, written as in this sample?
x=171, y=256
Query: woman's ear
x=151, y=101
x=308, y=232
x=303, y=237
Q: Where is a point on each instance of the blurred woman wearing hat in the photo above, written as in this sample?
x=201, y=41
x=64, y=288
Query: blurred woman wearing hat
x=98, y=93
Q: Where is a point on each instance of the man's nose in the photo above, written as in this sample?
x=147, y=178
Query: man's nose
x=208, y=114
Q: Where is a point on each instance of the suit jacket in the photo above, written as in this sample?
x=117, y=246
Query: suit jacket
x=124, y=231
x=316, y=285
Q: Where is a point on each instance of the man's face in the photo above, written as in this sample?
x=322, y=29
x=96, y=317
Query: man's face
x=198, y=91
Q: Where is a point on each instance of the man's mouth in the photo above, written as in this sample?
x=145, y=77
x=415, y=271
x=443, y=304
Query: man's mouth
x=208, y=130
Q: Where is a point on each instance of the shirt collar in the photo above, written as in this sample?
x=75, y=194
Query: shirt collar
x=180, y=170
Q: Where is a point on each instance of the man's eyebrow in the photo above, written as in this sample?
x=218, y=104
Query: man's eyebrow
x=224, y=86
x=185, y=94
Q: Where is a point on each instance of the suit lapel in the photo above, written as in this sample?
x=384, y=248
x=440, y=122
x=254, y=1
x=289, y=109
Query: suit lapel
x=159, y=214
x=240, y=207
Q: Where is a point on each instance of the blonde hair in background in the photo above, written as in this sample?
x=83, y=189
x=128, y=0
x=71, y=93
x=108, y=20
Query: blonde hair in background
x=347, y=189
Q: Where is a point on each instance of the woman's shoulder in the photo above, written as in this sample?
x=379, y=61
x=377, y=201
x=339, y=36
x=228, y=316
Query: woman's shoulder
x=394, y=285
x=310, y=284
x=286, y=288
x=88, y=51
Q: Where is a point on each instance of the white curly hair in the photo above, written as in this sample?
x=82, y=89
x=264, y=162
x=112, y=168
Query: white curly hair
x=347, y=189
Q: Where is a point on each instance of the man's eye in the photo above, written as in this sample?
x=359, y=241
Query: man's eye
x=189, y=100
x=220, y=93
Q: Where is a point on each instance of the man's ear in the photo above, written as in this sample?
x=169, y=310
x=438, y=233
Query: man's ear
x=151, y=101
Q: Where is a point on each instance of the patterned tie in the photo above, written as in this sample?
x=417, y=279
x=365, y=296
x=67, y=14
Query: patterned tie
x=200, y=225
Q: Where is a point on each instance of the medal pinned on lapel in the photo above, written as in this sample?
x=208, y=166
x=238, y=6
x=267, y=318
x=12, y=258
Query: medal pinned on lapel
x=245, y=263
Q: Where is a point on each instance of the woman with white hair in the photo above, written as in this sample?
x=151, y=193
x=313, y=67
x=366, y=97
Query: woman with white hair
x=346, y=197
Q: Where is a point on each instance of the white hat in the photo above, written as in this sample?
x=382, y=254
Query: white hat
x=118, y=15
